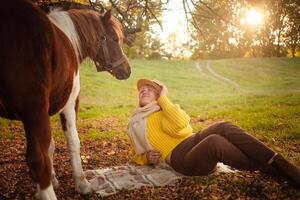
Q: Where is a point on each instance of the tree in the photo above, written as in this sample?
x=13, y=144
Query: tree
x=216, y=25
x=220, y=33
x=215, y=28
x=292, y=35
x=271, y=36
x=135, y=15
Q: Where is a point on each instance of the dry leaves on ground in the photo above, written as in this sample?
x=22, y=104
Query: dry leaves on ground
x=16, y=184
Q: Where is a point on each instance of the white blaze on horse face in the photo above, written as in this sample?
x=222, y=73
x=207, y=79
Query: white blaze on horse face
x=46, y=194
x=71, y=134
x=63, y=21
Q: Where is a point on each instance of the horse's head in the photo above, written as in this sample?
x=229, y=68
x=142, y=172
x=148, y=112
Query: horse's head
x=110, y=56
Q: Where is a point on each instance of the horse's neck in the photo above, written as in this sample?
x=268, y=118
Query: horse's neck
x=62, y=20
x=82, y=29
x=88, y=30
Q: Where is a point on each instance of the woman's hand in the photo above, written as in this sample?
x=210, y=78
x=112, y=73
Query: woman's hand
x=153, y=156
x=163, y=91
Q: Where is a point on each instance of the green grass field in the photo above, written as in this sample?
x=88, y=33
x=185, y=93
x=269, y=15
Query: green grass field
x=267, y=104
x=264, y=100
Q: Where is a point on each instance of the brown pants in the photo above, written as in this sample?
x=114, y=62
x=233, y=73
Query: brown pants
x=221, y=142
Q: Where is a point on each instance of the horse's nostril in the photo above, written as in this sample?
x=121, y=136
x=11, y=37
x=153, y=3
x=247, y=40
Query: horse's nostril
x=128, y=71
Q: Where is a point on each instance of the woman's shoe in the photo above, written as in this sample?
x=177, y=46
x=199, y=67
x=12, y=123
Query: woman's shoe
x=290, y=170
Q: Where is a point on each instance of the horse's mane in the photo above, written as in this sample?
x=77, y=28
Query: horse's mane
x=94, y=17
x=65, y=5
x=117, y=26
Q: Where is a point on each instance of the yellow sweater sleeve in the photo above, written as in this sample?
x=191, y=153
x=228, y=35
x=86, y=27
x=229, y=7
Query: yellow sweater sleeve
x=140, y=159
x=175, y=121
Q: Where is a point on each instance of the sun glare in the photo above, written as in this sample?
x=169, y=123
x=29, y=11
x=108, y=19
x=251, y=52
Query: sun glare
x=175, y=32
x=253, y=17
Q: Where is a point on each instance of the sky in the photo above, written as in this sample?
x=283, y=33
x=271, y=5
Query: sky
x=173, y=22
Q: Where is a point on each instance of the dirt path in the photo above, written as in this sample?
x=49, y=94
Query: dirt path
x=202, y=68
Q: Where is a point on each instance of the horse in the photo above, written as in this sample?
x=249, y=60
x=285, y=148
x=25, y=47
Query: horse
x=40, y=56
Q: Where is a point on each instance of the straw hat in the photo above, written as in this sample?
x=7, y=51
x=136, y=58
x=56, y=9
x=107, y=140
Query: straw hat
x=157, y=85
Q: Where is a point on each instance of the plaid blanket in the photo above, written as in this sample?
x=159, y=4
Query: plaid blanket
x=109, y=181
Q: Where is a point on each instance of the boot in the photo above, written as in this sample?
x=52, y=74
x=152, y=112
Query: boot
x=291, y=171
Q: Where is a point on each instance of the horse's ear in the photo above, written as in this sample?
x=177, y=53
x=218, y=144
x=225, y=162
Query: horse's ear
x=106, y=17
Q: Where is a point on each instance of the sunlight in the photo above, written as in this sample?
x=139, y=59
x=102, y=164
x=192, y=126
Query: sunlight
x=253, y=17
x=175, y=32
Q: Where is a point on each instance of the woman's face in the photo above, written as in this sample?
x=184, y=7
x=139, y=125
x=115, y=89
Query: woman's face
x=147, y=95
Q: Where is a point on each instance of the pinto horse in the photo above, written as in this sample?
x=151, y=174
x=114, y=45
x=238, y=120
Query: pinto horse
x=39, y=77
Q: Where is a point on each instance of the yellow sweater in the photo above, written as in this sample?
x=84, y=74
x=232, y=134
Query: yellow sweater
x=166, y=129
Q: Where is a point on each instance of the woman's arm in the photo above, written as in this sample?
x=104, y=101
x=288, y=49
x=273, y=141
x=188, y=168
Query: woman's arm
x=140, y=159
x=150, y=157
x=174, y=118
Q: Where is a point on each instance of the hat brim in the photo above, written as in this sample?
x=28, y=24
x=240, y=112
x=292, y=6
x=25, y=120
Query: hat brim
x=142, y=82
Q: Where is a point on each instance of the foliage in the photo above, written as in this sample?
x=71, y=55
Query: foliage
x=43, y=2
x=213, y=34
x=135, y=16
x=220, y=32
x=292, y=35
x=146, y=45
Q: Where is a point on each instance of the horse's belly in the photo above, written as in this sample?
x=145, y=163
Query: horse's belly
x=58, y=101
x=69, y=94
x=5, y=112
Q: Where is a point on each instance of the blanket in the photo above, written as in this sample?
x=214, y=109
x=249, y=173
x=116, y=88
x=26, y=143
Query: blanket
x=109, y=181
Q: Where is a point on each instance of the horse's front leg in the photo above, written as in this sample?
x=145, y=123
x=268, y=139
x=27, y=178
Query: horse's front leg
x=68, y=119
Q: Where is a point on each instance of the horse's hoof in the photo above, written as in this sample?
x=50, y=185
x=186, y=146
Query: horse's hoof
x=83, y=186
x=55, y=182
x=46, y=194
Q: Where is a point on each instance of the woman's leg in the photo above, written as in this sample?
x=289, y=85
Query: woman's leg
x=269, y=161
x=250, y=146
x=203, y=157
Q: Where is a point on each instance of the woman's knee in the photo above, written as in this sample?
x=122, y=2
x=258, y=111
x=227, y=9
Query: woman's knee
x=223, y=124
x=223, y=128
x=219, y=128
x=201, y=159
x=213, y=141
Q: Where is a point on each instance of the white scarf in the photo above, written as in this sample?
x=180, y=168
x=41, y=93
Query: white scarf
x=137, y=127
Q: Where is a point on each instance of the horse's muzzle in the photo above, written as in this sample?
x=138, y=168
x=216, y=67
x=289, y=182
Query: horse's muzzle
x=122, y=74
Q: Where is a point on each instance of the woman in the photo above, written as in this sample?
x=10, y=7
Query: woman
x=160, y=130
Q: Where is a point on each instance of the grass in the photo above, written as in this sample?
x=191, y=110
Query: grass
x=267, y=104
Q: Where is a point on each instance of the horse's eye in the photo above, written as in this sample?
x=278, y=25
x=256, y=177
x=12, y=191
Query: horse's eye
x=116, y=39
x=103, y=37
